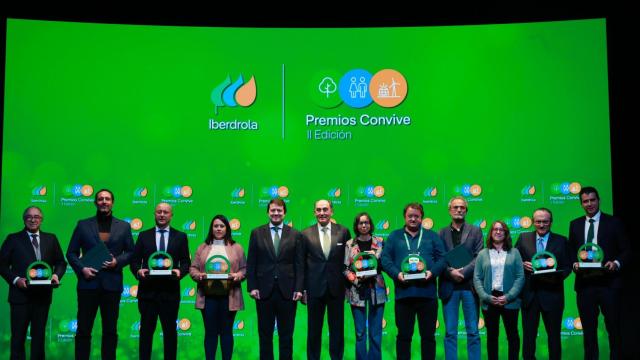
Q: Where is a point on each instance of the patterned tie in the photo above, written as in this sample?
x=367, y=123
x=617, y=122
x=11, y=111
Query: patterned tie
x=540, y=244
x=162, y=246
x=276, y=239
x=326, y=242
x=36, y=246
x=590, y=232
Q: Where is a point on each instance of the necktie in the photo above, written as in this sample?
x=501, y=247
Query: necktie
x=540, y=244
x=36, y=246
x=276, y=239
x=326, y=242
x=162, y=246
x=591, y=230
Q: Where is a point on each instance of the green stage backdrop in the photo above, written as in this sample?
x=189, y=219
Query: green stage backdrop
x=221, y=120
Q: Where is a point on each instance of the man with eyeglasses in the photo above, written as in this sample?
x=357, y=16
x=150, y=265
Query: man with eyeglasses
x=414, y=298
x=30, y=303
x=543, y=294
x=454, y=286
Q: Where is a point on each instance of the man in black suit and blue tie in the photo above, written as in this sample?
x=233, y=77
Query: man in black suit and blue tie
x=275, y=279
x=30, y=303
x=543, y=294
x=100, y=288
x=599, y=291
x=159, y=295
x=325, y=282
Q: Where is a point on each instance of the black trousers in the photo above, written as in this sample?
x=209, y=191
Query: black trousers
x=316, y=308
x=34, y=313
x=88, y=303
x=150, y=311
x=591, y=301
x=552, y=320
x=492, y=320
x=283, y=309
x=426, y=310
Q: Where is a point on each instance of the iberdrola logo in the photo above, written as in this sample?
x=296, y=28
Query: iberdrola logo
x=238, y=93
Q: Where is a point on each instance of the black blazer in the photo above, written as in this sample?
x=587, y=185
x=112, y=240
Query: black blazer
x=614, y=243
x=263, y=265
x=471, y=239
x=120, y=244
x=17, y=254
x=322, y=273
x=162, y=287
x=548, y=290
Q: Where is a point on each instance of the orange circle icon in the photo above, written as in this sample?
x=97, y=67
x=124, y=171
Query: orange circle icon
x=388, y=88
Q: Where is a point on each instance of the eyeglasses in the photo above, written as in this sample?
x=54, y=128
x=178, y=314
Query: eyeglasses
x=545, y=222
x=498, y=230
x=33, y=217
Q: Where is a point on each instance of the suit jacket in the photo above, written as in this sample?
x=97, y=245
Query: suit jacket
x=238, y=262
x=17, y=254
x=471, y=238
x=550, y=290
x=325, y=273
x=263, y=265
x=162, y=287
x=614, y=243
x=120, y=244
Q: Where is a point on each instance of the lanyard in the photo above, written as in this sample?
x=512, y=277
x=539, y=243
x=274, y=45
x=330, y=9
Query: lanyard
x=406, y=239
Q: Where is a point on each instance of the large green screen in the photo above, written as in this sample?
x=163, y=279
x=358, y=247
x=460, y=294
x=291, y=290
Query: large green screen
x=221, y=120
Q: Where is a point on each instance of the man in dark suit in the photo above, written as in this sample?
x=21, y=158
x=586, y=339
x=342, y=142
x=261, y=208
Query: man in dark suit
x=599, y=290
x=100, y=288
x=543, y=294
x=159, y=295
x=275, y=279
x=455, y=284
x=325, y=283
x=30, y=303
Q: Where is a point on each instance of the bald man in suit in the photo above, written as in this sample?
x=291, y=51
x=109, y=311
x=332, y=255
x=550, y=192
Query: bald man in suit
x=324, y=248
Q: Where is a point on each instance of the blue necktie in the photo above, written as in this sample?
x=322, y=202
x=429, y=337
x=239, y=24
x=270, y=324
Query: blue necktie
x=540, y=244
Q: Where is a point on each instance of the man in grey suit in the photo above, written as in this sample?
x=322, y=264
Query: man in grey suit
x=275, y=278
x=325, y=284
x=455, y=284
x=543, y=294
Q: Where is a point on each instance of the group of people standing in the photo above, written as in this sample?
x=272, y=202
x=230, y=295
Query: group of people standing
x=315, y=267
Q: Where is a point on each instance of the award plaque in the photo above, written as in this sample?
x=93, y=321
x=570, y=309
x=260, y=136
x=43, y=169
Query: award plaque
x=217, y=267
x=544, y=262
x=365, y=264
x=39, y=273
x=414, y=267
x=590, y=256
x=160, y=264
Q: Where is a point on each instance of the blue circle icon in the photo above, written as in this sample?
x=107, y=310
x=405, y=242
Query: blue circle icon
x=354, y=88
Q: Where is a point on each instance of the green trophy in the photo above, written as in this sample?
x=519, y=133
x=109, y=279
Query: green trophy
x=414, y=267
x=39, y=273
x=217, y=267
x=160, y=263
x=590, y=256
x=544, y=262
x=365, y=265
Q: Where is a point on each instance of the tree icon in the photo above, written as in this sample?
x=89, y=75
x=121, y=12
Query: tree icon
x=327, y=86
